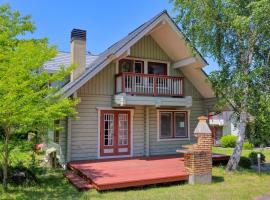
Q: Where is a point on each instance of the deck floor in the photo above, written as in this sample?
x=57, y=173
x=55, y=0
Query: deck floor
x=121, y=173
x=131, y=172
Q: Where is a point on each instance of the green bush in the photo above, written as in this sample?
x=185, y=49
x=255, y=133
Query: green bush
x=248, y=146
x=244, y=162
x=228, y=141
x=253, y=158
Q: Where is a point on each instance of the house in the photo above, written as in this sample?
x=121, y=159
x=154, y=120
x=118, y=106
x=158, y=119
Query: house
x=140, y=97
x=222, y=124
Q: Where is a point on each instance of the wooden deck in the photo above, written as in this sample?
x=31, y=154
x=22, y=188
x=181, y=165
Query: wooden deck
x=128, y=172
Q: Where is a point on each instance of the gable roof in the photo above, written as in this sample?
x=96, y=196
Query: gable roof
x=64, y=59
x=119, y=48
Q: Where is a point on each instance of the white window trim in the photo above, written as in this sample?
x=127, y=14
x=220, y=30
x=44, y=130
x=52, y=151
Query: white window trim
x=145, y=61
x=99, y=109
x=172, y=139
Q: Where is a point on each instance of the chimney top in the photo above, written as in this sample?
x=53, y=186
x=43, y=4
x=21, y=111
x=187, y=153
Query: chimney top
x=78, y=34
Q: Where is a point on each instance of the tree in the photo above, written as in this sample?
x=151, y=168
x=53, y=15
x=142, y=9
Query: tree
x=26, y=99
x=236, y=34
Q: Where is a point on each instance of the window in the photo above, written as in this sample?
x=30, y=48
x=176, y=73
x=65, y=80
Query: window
x=125, y=65
x=166, y=125
x=108, y=129
x=138, y=67
x=157, y=68
x=173, y=124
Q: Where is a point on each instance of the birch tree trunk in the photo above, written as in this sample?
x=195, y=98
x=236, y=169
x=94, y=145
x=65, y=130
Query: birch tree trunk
x=235, y=158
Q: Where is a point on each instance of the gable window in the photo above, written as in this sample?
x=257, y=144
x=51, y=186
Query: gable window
x=157, y=68
x=173, y=124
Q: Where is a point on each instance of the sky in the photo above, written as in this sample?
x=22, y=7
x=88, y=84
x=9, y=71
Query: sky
x=106, y=21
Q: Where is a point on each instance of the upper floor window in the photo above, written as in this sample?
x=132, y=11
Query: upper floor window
x=126, y=65
x=157, y=68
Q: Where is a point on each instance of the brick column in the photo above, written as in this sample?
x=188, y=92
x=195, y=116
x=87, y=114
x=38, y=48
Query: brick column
x=198, y=157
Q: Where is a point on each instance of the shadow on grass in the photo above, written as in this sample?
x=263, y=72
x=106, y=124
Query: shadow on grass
x=145, y=187
x=51, y=186
x=217, y=179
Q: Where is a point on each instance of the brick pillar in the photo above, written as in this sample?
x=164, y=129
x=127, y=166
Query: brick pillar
x=198, y=157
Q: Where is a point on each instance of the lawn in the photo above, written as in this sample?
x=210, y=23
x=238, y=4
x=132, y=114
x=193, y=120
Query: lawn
x=244, y=184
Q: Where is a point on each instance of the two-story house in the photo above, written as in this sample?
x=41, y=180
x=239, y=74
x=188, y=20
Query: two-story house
x=140, y=97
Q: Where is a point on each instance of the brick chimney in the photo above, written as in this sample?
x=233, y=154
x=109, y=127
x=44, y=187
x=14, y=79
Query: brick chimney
x=78, y=51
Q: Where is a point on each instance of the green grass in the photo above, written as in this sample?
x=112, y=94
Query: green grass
x=244, y=184
x=245, y=153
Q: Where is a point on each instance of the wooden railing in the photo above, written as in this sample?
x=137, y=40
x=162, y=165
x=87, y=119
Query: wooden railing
x=149, y=84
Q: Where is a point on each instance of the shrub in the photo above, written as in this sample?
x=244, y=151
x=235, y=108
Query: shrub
x=244, y=162
x=253, y=157
x=248, y=146
x=228, y=141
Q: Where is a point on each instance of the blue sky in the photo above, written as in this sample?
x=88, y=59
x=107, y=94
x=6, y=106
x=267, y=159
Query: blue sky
x=106, y=21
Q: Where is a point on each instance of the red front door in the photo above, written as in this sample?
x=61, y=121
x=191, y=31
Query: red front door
x=114, y=133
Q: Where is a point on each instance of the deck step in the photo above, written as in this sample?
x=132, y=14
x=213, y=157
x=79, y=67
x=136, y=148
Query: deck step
x=80, y=183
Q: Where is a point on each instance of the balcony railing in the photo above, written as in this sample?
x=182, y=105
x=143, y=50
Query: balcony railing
x=149, y=84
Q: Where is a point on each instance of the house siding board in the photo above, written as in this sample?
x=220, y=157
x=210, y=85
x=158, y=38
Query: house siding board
x=138, y=131
x=147, y=48
x=84, y=130
x=101, y=84
x=209, y=104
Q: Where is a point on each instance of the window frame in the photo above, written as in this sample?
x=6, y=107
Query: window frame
x=145, y=62
x=165, y=65
x=172, y=128
x=187, y=121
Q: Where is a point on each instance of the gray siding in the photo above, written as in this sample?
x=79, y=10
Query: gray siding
x=84, y=130
x=138, y=131
x=148, y=48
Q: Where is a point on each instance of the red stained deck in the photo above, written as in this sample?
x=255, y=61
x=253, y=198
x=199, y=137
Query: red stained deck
x=131, y=172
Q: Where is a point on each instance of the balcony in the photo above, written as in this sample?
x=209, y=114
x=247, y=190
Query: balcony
x=149, y=89
x=149, y=85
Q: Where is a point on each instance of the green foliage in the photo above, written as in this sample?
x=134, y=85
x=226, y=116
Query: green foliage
x=27, y=101
x=247, y=146
x=236, y=34
x=244, y=162
x=253, y=157
x=228, y=141
x=258, y=131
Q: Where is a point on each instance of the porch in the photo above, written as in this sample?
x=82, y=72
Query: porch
x=129, y=172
